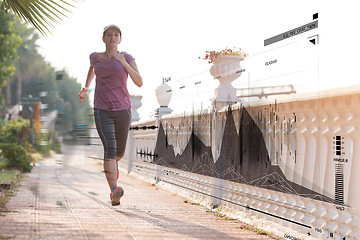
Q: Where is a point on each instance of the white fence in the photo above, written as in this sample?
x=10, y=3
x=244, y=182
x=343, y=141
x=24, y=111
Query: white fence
x=305, y=186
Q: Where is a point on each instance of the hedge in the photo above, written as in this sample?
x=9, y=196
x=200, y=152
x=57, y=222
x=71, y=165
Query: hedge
x=16, y=155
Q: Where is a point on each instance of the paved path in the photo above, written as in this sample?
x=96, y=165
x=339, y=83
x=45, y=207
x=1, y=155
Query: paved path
x=66, y=197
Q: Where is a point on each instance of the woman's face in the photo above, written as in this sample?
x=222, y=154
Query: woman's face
x=112, y=37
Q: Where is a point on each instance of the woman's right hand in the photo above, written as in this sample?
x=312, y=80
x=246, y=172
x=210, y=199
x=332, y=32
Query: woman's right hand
x=82, y=93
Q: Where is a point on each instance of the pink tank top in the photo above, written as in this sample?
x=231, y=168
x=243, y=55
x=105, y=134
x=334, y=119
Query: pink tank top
x=111, y=91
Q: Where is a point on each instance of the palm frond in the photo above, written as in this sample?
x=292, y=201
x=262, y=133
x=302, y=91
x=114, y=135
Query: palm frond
x=42, y=14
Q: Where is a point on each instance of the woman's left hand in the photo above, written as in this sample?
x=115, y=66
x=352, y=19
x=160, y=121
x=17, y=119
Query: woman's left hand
x=82, y=93
x=120, y=57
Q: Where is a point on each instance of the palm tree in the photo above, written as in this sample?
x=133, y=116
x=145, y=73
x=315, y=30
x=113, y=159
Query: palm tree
x=27, y=63
x=29, y=58
x=39, y=13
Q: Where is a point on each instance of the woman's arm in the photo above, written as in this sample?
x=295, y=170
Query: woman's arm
x=131, y=69
x=89, y=78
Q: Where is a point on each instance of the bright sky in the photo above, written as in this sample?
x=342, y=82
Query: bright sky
x=167, y=37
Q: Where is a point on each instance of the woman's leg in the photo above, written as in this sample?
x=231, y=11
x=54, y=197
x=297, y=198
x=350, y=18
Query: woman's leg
x=122, y=125
x=105, y=126
x=110, y=172
x=117, y=167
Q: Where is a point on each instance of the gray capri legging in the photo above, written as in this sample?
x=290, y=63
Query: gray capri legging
x=113, y=128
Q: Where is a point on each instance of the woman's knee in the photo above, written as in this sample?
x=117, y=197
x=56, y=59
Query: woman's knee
x=118, y=158
x=109, y=152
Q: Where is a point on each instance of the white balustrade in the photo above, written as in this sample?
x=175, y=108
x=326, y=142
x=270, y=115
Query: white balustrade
x=301, y=140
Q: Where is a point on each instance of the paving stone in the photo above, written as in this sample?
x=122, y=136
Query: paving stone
x=71, y=201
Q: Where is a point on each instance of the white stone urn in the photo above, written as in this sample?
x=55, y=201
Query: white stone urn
x=163, y=95
x=135, y=105
x=226, y=68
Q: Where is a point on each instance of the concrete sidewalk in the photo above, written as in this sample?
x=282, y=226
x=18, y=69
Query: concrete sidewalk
x=66, y=197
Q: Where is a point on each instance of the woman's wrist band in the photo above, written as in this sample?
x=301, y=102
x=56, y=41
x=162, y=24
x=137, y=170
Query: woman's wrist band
x=86, y=88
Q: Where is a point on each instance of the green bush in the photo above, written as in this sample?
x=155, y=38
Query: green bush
x=16, y=155
x=15, y=131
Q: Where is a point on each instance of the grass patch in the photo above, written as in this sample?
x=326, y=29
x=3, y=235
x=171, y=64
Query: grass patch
x=191, y=202
x=6, y=176
x=11, y=180
x=221, y=216
x=255, y=229
x=5, y=237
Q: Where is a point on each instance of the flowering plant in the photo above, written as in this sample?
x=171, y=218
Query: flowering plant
x=210, y=55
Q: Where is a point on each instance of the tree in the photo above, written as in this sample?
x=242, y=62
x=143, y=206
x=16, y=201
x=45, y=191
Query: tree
x=74, y=112
x=61, y=96
x=29, y=57
x=9, y=41
x=28, y=63
x=39, y=13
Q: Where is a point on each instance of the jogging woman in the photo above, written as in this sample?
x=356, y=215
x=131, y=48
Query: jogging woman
x=112, y=106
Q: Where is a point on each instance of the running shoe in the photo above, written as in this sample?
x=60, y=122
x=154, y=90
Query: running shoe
x=116, y=195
